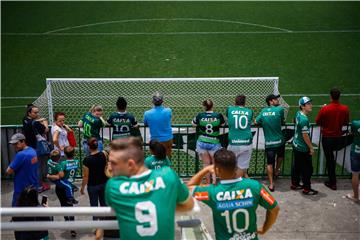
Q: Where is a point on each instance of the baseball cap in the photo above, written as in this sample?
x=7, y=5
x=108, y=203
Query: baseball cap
x=271, y=97
x=157, y=97
x=16, y=137
x=304, y=100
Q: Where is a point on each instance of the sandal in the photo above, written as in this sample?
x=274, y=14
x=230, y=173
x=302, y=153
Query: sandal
x=310, y=192
x=351, y=197
x=271, y=189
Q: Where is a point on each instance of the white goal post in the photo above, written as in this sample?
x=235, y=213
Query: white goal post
x=75, y=96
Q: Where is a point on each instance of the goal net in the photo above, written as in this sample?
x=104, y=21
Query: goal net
x=184, y=95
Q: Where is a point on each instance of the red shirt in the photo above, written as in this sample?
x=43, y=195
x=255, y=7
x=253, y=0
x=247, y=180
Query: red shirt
x=331, y=118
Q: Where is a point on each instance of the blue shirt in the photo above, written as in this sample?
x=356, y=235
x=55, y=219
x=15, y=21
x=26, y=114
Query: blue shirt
x=25, y=166
x=159, y=121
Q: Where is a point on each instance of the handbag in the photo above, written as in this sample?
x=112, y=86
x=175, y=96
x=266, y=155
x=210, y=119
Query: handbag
x=43, y=147
x=71, y=138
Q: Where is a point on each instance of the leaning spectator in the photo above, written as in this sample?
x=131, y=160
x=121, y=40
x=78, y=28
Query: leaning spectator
x=158, y=158
x=25, y=166
x=159, y=121
x=332, y=118
x=92, y=122
x=33, y=124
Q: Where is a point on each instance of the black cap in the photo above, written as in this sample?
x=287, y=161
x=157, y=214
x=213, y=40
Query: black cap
x=271, y=97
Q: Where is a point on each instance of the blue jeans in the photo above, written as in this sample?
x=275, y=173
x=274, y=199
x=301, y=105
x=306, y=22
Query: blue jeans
x=86, y=149
x=66, y=185
x=97, y=196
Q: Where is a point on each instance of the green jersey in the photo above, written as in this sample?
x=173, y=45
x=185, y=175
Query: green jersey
x=122, y=122
x=53, y=167
x=271, y=118
x=145, y=204
x=69, y=167
x=239, y=121
x=234, y=203
x=302, y=125
x=208, y=124
x=151, y=162
x=91, y=125
x=355, y=147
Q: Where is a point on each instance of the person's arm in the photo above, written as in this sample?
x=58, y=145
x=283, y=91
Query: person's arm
x=271, y=216
x=53, y=177
x=194, y=122
x=318, y=118
x=308, y=143
x=185, y=206
x=197, y=178
x=56, y=140
x=85, y=179
x=80, y=124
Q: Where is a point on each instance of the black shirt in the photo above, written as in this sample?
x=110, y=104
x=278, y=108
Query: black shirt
x=96, y=164
x=30, y=133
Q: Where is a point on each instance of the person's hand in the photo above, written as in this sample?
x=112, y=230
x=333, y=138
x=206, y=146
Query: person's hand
x=260, y=231
x=45, y=204
x=82, y=191
x=62, y=148
x=311, y=152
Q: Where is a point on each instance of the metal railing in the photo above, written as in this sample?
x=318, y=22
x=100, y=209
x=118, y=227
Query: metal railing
x=185, y=160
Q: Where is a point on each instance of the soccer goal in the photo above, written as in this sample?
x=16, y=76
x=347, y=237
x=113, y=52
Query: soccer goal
x=75, y=96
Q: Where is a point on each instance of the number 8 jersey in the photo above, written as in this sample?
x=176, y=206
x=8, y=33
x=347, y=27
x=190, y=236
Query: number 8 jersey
x=234, y=203
x=209, y=124
x=145, y=204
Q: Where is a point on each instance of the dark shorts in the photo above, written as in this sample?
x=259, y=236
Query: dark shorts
x=272, y=153
x=355, y=164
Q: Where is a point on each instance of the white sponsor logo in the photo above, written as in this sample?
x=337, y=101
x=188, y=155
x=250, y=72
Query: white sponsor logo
x=234, y=195
x=138, y=188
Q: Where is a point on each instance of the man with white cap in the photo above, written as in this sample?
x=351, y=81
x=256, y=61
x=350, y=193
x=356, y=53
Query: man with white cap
x=25, y=166
x=303, y=149
x=159, y=121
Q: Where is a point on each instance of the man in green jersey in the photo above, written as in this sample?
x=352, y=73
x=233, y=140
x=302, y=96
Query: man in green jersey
x=144, y=200
x=122, y=122
x=91, y=123
x=208, y=127
x=355, y=160
x=234, y=200
x=271, y=119
x=303, y=149
x=240, y=136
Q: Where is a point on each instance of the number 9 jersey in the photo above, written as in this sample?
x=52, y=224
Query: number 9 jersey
x=234, y=203
x=145, y=204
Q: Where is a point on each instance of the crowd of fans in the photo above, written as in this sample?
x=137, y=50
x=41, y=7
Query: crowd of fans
x=136, y=187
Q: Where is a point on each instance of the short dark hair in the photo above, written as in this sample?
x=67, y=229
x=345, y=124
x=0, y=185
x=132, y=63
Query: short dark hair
x=28, y=197
x=29, y=108
x=69, y=152
x=121, y=103
x=158, y=149
x=55, y=155
x=240, y=100
x=335, y=94
x=225, y=159
x=208, y=104
x=58, y=114
x=130, y=149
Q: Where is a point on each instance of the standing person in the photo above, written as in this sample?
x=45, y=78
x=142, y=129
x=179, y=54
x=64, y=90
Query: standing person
x=271, y=119
x=25, y=166
x=92, y=122
x=33, y=125
x=303, y=149
x=332, y=118
x=158, y=158
x=158, y=119
x=122, y=122
x=355, y=161
x=240, y=136
x=69, y=168
x=144, y=200
x=56, y=175
x=59, y=132
x=234, y=200
x=208, y=124
x=93, y=174
x=29, y=198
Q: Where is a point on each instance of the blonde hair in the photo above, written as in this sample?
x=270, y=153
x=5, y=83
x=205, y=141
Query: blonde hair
x=55, y=155
x=96, y=108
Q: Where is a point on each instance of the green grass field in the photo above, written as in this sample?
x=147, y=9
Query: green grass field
x=311, y=46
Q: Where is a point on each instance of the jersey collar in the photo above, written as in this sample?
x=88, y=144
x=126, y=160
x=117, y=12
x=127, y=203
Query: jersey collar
x=231, y=180
x=142, y=174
